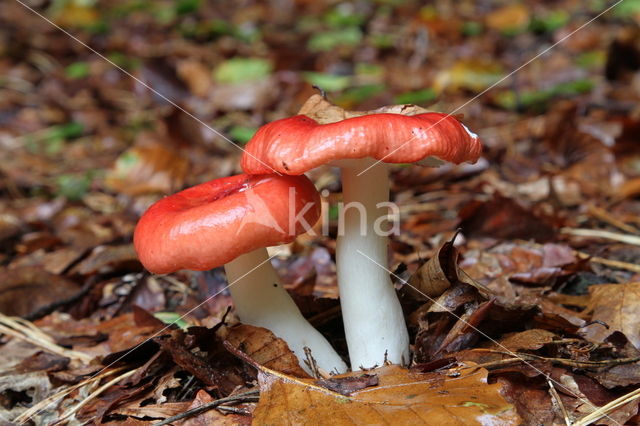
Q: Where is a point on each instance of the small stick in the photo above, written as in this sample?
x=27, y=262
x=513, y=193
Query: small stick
x=608, y=408
x=95, y=394
x=599, y=233
x=250, y=396
x=556, y=399
x=603, y=215
x=608, y=262
x=312, y=364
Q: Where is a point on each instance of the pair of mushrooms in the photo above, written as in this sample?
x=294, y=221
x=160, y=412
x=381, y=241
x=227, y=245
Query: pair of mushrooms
x=230, y=221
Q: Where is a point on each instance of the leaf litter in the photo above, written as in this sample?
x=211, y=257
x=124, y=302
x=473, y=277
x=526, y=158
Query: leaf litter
x=527, y=316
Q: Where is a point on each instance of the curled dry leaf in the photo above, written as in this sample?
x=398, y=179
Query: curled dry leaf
x=265, y=349
x=617, y=306
x=401, y=398
x=324, y=112
x=439, y=273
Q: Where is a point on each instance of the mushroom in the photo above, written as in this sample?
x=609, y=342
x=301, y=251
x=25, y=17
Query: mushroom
x=230, y=221
x=361, y=144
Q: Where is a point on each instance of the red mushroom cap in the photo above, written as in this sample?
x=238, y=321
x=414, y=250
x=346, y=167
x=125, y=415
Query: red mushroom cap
x=297, y=144
x=212, y=223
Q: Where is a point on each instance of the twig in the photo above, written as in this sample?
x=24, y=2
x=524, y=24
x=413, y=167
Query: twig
x=599, y=233
x=605, y=216
x=94, y=394
x=561, y=361
x=26, y=415
x=47, y=309
x=556, y=399
x=24, y=330
x=250, y=396
x=608, y=408
x=312, y=364
x=608, y=262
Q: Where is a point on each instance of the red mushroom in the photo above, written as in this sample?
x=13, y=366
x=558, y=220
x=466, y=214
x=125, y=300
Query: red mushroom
x=361, y=146
x=230, y=221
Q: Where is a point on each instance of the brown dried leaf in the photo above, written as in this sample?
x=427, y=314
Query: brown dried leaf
x=267, y=350
x=437, y=274
x=324, y=112
x=617, y=306
x=214, y=417
x=148, y=169
x=26, y=289
x=529, y=339
x=504, y=218
x=154, y=411
x=400, y=398
x=510, y=17
x=196, y=75
x=104, y=259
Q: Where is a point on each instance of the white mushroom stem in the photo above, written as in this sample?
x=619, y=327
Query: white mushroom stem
x=261, y=300
x=373, y=319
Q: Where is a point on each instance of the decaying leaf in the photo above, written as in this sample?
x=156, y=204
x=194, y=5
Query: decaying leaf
x=324, y=112
x=153, y=168
x=213, y=416
x=436, y=275
x=529, y=339
x=400, y=398
x=23, y=290
x=265, y=349
x=617, y=306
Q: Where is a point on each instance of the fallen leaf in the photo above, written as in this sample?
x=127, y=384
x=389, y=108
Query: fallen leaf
x=153, y=168
x=196, y=75
x=512, y=17
x=213, y=416
x=504, y=218
x=265, y=349
x=24, y=290
x=529, y=339
x=349, y=385
x=617, y=306
x=105, y=259
x=400, y=398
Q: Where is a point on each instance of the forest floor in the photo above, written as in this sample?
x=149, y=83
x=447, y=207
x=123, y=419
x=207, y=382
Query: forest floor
x=535, y=248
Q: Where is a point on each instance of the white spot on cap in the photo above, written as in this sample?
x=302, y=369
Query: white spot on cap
x=469, y=132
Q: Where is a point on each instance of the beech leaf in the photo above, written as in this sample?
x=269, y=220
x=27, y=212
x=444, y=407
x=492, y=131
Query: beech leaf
x=401, y=398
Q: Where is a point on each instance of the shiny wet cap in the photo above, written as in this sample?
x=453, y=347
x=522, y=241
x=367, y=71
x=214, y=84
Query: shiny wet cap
x=297, y=144
x=211, y=224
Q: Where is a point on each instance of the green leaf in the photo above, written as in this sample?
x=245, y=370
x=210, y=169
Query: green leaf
x=471, y=28
x=383, y=41
x=550, y=22
x=328, y=82
x=539, y=98
x=77, y=70
x=355, y=95
x=184, y=7
x=627, y=8
x=325, y=41
x=64, y=131
x=73, y=186
x=592, y=59
x=240, y=70
x=242, y=134
x=170, y=318
x=343, y=16
x=123, y=61
x=418, y=97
